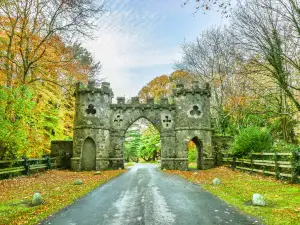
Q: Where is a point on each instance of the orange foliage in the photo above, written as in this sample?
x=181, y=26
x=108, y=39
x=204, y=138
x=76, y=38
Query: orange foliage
x=51, y=185
x=161, y=86
x=191, y=145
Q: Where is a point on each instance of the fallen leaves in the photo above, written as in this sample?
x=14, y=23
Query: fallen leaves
x=237, y=188
x=57, y=189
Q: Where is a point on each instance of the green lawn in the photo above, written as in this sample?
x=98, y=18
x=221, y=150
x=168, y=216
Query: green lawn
x=237, y=189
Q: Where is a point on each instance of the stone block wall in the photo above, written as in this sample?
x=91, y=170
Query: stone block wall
x=63, y=149
x=221, y=144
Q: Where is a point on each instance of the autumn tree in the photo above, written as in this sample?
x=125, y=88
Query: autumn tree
x=161, y=86
x=259, y=29
x=212, y=58
x=40, y=56
x=156, y=88
x=30, y=27
x=223, y=6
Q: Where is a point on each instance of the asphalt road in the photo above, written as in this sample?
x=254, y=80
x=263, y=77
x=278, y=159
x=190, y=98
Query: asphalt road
x=147, y=196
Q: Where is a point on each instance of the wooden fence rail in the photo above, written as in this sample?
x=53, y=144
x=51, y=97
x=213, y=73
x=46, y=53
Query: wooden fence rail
x=26, y=165
x=280, y=165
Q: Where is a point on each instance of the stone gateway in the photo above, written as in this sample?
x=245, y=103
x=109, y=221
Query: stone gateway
x=100, y=126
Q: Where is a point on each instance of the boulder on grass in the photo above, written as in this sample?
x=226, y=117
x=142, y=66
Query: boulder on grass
x=258, y=199
x=37, y=199
x=216, y=181
x=97, y=173
x=78, y=182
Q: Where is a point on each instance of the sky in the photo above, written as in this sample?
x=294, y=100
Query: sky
x=138, y=40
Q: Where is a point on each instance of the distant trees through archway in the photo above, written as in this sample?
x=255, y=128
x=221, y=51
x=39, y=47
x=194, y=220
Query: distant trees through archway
x=142, y=142
x=195, y=153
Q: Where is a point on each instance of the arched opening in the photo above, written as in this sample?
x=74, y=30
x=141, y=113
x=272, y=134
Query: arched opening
x=195, y=153
x=88, y=161
x=142, y=143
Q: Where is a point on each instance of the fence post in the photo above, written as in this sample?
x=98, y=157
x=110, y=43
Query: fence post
x=277, y=168
x=242, y=162
x=26, y=165
x=263, y=166
x=48, y=162
x=251, y=163
x=295, y=166
x=233, y=163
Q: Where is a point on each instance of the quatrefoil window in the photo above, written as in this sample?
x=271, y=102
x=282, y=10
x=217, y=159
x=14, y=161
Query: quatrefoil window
x=195, y=111
x=91, y=109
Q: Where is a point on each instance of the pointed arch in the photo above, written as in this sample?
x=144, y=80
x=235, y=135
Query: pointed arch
x=199, y=147
x=131, y=122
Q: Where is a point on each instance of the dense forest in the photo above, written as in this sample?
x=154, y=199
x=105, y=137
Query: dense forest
x=252, y=66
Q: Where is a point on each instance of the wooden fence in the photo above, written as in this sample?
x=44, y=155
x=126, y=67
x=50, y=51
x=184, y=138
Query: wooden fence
x=26, y=165
x=280, y=165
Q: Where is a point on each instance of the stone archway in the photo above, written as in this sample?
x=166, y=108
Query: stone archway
x=100, y=126
x=88, y=155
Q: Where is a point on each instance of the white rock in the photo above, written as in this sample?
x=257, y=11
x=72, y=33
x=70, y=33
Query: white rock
x=216, y=181
x=258, y=199
x=37, y=199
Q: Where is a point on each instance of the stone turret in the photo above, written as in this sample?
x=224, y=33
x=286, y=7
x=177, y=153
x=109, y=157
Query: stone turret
x=91, y=124
x=193, y=121
x=193, y=106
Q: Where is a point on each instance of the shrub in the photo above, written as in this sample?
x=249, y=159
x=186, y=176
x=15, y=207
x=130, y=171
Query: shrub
x=192, y=154
x=252, y=139
x=282, y=146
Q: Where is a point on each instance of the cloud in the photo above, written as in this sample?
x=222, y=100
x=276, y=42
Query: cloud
x=125, y=41
x=138, y=40
x=124, y=38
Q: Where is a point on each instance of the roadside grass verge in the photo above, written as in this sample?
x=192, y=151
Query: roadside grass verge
x=56, y=187
x=237, y=188
x=129, y=164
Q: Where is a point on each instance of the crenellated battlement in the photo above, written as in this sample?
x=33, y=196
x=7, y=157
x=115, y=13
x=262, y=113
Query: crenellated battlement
x=136, y=103
x=195, y=89
x=92, y=87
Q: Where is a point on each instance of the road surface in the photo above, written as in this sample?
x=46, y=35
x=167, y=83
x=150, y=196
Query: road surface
x=145, y=195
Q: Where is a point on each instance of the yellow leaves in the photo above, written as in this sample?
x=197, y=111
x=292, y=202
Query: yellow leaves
x=191, y=145
x=181, y=76
x=161, y=86
x=156, y=88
